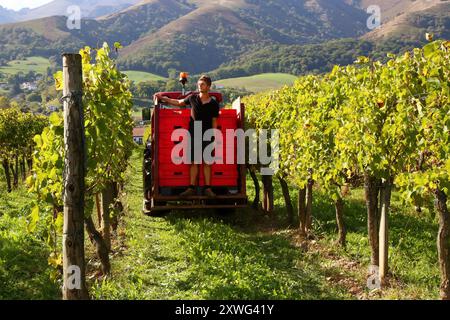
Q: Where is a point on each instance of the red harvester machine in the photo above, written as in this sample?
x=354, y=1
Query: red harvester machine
x=164, y=180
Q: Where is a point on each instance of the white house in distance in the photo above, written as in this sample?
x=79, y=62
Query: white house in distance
x=138, y=135
x=28, y=86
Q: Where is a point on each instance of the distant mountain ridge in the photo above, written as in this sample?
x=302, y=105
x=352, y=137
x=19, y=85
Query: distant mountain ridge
x=206, y=35
x=89, y=9
x=216, y=31
x=7, y=15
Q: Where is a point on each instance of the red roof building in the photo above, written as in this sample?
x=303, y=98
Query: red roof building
x=138, y=135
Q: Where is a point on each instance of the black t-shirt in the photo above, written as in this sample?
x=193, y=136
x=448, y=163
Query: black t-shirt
x=203, y=112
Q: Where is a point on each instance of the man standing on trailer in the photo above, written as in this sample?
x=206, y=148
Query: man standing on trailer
x=206, y=110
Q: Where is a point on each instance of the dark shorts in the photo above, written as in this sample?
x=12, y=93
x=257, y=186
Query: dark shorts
x=204, y=144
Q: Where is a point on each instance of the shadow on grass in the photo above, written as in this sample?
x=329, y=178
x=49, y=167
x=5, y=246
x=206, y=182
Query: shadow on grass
x=324, y=215
x=247, y=255
x=234, y=263
x=413, y=258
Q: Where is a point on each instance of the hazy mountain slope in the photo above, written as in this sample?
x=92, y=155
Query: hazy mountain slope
x=42, y=33
x=190, y=42
x=89, y=8
x=303, y=21
x=203, y=35
x=137, y=21
x=393, y=8
x=46, y=37
x=422, y=17
x=217, y=31
x=7, y=15
x=52, y=28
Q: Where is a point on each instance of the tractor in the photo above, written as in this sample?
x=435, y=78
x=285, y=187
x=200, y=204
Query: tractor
x=164, y=178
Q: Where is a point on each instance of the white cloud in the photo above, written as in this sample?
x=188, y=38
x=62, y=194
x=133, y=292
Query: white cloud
x=19, y=4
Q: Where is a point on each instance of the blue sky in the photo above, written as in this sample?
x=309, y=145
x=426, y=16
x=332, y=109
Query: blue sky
x=19, y=4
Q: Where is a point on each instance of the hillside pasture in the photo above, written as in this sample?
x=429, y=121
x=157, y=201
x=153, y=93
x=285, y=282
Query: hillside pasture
x=140, y=76
x=258, y=83
x=36, y=64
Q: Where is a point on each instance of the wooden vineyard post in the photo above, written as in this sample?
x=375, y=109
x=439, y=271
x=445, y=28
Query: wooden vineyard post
x=384, y=231
x=302, y=211
x=309, y=200
x=383, y=241
x=74, y=287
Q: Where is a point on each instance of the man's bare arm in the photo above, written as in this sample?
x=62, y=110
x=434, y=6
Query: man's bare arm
x=171, y=102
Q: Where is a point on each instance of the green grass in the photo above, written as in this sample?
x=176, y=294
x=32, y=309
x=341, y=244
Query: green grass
x=37, y=64
x=24, y=270
x=413, y=259
x=140, y=76
x=246, y=255
x=137, y=114
x=200, y=255
x=260, y=82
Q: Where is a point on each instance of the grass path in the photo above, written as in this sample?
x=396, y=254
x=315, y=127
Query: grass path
x=199, y=255
x=202, y=255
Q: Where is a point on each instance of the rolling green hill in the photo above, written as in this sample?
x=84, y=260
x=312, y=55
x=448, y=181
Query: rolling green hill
x=36, y=64
x=140, y=76
x=260, y=82
x=311, y=58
